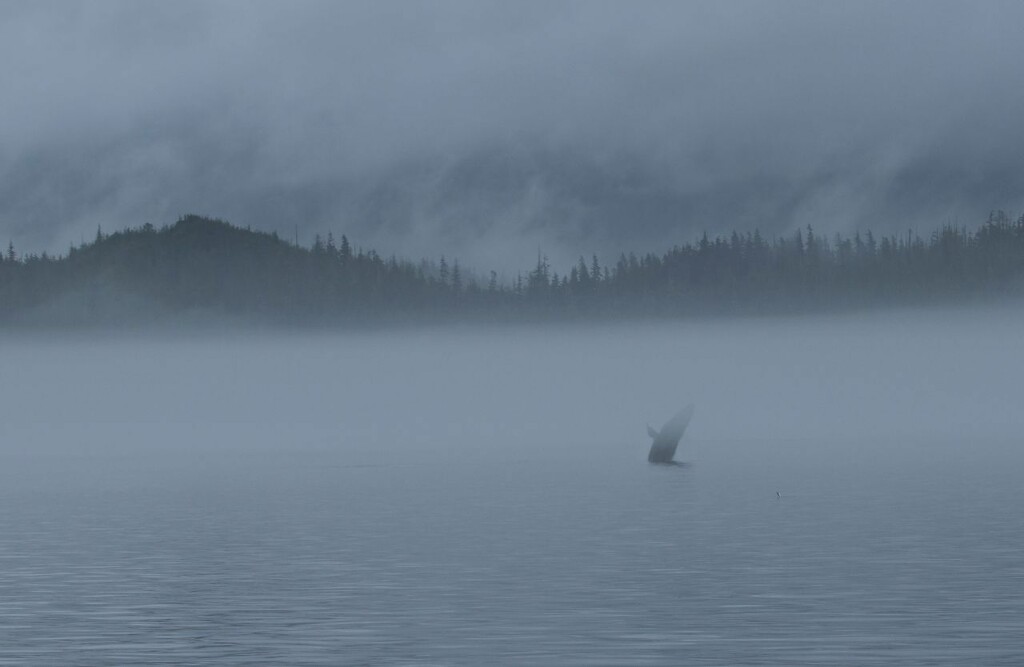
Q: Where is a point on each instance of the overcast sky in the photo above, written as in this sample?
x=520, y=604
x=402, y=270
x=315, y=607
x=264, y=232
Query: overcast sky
x=487, y=130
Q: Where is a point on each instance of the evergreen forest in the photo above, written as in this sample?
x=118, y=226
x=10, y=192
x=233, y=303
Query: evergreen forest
x=201, y=267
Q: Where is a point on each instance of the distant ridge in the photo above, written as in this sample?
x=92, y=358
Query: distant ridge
x=200, y=267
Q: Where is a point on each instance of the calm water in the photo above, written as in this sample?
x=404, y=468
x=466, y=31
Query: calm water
x=329, y=503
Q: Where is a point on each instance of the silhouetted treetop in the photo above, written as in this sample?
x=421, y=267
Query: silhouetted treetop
x=203, y=265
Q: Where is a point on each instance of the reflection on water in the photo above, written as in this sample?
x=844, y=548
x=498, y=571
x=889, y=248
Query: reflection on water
x=302, y=556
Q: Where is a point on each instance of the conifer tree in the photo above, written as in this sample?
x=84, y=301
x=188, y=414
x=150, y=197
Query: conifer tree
x=346, y=249
x=456, y=277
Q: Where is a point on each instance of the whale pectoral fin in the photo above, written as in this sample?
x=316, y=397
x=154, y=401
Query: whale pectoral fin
x=651, y=432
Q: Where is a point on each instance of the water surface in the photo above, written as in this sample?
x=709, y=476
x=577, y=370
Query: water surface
x=484, y=498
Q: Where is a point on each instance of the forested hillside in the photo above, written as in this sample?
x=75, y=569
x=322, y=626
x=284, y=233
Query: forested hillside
x=199, y=267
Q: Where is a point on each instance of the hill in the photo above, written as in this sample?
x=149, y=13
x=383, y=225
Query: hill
x=200, y=268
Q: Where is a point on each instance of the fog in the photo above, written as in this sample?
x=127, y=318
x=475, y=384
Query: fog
x=218, y=492
x=485, y=131
x=578, y=391
x=470, y=495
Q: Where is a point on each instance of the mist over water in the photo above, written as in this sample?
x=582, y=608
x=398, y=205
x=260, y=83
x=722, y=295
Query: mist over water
x=215, y=493
x=470, y=496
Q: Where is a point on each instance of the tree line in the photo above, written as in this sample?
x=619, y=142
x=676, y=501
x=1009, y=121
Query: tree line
x=201, y=265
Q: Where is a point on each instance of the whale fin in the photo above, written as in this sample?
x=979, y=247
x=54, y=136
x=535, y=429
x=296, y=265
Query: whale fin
x=666, y=441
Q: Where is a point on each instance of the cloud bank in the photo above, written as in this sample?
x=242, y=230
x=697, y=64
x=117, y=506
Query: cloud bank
x=488, y=130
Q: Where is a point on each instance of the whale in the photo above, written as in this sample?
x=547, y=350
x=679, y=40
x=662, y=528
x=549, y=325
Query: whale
x=663, y=449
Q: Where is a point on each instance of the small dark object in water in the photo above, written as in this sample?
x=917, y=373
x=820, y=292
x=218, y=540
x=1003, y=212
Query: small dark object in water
x=666, y=440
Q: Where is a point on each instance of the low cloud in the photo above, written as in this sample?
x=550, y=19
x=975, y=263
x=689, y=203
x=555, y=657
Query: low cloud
x=488, y=130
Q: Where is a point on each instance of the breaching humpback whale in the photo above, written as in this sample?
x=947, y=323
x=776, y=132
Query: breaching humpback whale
x=665, y=441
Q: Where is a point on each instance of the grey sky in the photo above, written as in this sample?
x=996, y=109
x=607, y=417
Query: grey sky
x=487, y=130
